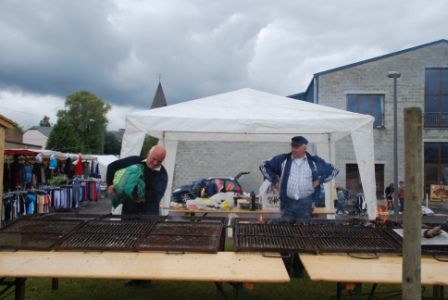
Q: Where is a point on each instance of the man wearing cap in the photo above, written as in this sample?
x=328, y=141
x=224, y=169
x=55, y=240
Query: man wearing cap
x=298, y=176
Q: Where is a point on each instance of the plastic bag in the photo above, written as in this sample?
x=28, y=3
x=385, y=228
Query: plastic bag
x=129, y=185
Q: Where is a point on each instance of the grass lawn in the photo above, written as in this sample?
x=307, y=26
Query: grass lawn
x=88, y=289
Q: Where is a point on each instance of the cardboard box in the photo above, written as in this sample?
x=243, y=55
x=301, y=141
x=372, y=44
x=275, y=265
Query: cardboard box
x=439, y=193
x=270, y=201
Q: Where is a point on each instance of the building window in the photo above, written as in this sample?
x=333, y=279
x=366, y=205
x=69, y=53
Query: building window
x=436, y=164
x=353, y=180
x=367, y=104
x=436, y=97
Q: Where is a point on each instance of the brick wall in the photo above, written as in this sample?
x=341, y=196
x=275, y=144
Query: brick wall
x=204, y=159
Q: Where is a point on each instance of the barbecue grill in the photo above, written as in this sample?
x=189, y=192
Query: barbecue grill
x=114, y=233
x=36, y=234
x=314, y=238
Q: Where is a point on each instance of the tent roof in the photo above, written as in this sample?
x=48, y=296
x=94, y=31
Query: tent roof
x=47, y=153
x=250, y=115
x=245, y=115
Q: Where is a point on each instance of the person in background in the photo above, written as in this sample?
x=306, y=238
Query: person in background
x=401, y=195
x=298, y=176
x=156, y=180
x=341, y=201
x=389, y=191
x=212, y=188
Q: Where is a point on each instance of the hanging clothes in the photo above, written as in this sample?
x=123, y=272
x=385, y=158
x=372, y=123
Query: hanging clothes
x=68, y=168
x=78, y=166
x=37, y=169
x=95, y=170
x=53, y=162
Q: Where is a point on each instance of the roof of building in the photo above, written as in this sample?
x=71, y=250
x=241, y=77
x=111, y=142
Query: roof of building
x=306, y=94
x=381, y=57
x=42, y=129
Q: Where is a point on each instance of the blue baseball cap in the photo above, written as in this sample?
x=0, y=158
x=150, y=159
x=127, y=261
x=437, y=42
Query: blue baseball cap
x=298, y=141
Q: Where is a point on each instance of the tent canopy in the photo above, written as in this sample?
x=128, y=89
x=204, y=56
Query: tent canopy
x=250, y=115
x=47, y=154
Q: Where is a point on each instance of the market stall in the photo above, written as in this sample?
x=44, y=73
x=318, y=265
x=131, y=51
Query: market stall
x=34, y=181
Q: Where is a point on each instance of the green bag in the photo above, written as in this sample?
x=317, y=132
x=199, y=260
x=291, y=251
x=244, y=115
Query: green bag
x=129, y=185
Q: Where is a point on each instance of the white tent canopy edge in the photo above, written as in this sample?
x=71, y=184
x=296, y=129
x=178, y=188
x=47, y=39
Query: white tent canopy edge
x=250, y=115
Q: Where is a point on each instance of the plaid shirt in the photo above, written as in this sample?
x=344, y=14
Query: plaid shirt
x=300, y=181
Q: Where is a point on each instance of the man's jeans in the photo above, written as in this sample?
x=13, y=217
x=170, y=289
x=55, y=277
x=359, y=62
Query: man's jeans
x=297, y=209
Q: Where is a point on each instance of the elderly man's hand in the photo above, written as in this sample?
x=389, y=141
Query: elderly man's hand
x=111, y=190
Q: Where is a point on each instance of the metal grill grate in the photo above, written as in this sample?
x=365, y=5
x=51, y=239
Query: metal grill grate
x=271, y=238
x=102, y=235
x=183, y=236
x=99, y=242
x=313, y=238
x=36, y=234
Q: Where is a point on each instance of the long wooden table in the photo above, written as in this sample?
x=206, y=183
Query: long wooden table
x=387, y=269
x=236, y=210
x=221, y=267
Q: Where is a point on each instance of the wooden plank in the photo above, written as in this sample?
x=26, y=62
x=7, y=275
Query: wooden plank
x=386, y=269
x=223, y=266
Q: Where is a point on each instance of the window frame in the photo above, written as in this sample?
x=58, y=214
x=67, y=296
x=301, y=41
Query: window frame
x=361, y=105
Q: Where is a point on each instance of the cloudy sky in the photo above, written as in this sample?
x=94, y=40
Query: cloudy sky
x=117, y=49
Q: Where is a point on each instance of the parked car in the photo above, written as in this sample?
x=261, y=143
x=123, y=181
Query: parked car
x=191, y=191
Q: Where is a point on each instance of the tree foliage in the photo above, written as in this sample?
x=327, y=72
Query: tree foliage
x=20, y=128
x=87, y=114
x=45, y=122
x=63, y=138
x=149, y=142
x=111, y=144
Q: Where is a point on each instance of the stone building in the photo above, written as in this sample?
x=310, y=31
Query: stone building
x=365, y=87
x=362, y=87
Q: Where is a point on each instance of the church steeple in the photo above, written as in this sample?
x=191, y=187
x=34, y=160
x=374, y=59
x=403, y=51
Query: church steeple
x=159, y=98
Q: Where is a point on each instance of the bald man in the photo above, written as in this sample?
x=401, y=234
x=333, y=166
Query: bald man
x=156, y=180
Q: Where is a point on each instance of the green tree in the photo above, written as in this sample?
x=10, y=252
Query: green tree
x=111, y=144
x=20, y=128
x=87, y=113
x=64, y=138
x=45, y=122
x=149, y=142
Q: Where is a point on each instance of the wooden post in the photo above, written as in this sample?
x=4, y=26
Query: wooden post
x=412, y=221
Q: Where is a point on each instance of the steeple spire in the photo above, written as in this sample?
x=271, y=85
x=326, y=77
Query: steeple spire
x=159, y=98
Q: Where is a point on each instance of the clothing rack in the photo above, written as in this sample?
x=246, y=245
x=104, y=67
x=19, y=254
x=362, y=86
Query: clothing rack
x=360, y=204
x=13, y=204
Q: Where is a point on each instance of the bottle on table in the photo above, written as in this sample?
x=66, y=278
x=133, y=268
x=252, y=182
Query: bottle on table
x=253, y=205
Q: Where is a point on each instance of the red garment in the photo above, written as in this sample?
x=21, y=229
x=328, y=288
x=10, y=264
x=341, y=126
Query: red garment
x=78, y=166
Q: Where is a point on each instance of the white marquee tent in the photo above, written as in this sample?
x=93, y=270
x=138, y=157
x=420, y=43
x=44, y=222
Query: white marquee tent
x=250, y=115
